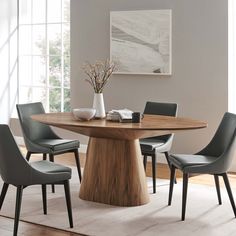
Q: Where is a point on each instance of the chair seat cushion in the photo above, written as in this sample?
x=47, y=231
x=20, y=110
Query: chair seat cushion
x=46, y=172
x=58, y=145
x=149, y=145
x=185, y=161
x=50, y=167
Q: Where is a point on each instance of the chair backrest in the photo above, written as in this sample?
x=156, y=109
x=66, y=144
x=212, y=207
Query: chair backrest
x=33, y=130
x=159, y=108
x=223, y=144
x=223, y=136
x=14, y=169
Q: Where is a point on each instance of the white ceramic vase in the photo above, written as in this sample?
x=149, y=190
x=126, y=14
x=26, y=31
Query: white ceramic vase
x=98, y=104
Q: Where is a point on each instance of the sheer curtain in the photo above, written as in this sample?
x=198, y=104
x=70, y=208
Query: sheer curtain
x=232, y=55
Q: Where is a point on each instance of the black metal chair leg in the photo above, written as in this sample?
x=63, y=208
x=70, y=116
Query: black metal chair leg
x=184, y=197
x=154, y=172
x=217, y=183
x=172, y=178
x=44, y=196
x=68, y=202
x=231, y=198
x=168, y=162
x=78, y=164
x=145, y=162
x=3, y=194
x=17, y=208
x=44, y=156
x=51, y=158
x=28, y=156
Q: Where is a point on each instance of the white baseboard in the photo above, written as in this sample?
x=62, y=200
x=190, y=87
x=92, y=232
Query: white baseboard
x=19, y=140
x=83, y=148
x=160, y=159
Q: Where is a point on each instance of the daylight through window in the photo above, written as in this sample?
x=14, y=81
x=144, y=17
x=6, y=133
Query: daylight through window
x=44, y=53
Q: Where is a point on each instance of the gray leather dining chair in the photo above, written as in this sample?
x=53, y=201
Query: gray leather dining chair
x=40, y=138
x=214, y=159
x=15, y=170
x=160, y=144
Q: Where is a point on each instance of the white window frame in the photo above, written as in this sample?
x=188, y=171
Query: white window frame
x=47, y=56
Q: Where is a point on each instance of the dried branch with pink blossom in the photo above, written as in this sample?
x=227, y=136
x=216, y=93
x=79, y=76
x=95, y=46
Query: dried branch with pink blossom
x=99, y=74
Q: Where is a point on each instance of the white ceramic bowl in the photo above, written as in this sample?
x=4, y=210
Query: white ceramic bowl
x=84, y=113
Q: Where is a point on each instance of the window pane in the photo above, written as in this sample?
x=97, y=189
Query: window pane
x=39, y=11
x=39, y=70
x=43, y=61
x=54, y=37
x=29, y=94
x=66, y=39
x=25, y=12
x=66, y=71
x=66, y=10
x=55, y=100
x=39, y=43
x=25, y=70
x=39, y=95
x=13, y=51
x=25, y=94
x=55, y=71
x=13, y=24
x=13, y=90
x=25, y=40
x=4, y=57
x=67, y=107
x=54, y=11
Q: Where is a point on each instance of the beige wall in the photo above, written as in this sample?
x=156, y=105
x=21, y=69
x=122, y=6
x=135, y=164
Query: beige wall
x=199, y=79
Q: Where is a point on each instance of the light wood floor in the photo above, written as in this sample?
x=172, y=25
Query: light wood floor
x=26, y=229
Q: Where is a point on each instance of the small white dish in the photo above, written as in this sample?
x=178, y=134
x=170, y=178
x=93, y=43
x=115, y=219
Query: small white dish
x=84, y=113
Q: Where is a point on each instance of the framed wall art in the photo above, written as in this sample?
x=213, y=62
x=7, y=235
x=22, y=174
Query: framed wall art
x=140, y=41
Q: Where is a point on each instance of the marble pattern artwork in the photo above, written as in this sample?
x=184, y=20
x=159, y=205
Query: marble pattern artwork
x=141, y=41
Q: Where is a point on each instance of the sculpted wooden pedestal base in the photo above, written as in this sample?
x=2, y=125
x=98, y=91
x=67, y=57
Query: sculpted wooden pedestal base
x=114, y=173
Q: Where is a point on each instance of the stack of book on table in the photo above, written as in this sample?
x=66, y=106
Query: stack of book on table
x=123, y=115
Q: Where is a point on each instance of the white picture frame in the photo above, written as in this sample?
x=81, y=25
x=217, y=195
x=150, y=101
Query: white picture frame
x=140, y=41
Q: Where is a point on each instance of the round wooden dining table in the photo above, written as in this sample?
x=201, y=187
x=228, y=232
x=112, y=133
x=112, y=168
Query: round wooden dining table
x=114, y=172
